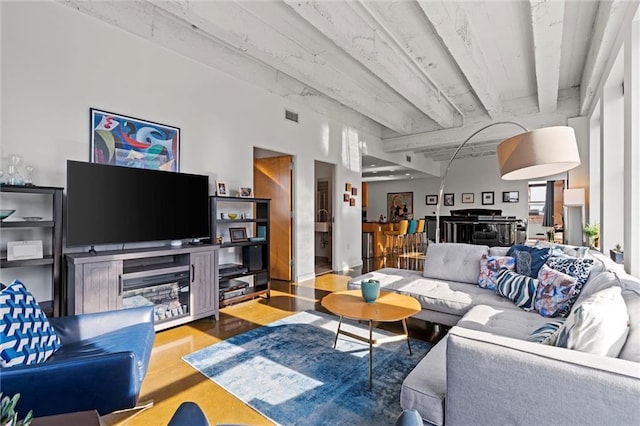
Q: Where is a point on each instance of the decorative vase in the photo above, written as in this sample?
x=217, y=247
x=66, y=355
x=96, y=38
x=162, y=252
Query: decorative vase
x=370, y=290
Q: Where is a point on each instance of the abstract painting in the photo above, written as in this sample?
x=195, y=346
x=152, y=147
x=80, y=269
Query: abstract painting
x=399, y=205
x=126, y=141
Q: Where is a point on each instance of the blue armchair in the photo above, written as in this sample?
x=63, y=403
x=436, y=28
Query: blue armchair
x=100, y=366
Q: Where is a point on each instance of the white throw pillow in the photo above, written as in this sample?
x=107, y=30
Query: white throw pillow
x=599, y=325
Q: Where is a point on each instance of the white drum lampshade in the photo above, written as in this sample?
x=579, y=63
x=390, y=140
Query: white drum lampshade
x=574, y=197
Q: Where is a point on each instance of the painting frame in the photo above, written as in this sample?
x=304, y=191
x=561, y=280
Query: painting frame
x=238, y=235
x=432, y=200
x=467, y=197
x=221, y=189
x=245, y=192
x=346, y=197
x=399, y=205
x=145, y=144
x=448, y=200
x=352, y=202
x=511, y=197
x=488, y=198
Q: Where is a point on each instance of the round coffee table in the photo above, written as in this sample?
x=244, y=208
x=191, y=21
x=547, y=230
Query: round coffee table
x=389, y=307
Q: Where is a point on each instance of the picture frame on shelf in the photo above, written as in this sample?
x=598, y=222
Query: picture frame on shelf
x=487, y=198
x=511, y=197
x=448, y=199
x=238, y=235
x=221, y=189
x=467, y=197
x=122, y=140
x=245, y=192
x=432, y=200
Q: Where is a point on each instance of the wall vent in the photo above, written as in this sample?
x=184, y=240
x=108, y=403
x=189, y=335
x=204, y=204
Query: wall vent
x=408, y=158
x=290, y=115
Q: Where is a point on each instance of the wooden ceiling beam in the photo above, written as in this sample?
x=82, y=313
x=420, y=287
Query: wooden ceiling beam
x=547, y=19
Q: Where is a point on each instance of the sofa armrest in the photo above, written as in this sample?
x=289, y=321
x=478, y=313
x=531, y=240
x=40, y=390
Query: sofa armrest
x=85, y=326
x=492, y=377
x=71, y=385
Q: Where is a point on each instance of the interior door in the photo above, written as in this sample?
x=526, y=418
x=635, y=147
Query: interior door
x=272, y=179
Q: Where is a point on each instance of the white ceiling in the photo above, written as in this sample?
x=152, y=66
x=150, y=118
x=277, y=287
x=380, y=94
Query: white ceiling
x=426, y=73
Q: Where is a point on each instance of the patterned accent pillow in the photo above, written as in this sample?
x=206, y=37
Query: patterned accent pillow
x=26, y=335
x=578, y=268
x=554, y=292
x=518, y=288
x=547, y=334
x=529, y=260
x=489, y=268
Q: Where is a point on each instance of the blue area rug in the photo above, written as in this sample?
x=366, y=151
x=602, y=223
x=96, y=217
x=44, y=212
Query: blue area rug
x=288, y=371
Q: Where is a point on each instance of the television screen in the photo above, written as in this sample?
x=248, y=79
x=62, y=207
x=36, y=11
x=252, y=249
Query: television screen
x=112, y=205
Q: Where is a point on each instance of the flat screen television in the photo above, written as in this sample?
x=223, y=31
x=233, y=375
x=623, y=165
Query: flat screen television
x=115, y=205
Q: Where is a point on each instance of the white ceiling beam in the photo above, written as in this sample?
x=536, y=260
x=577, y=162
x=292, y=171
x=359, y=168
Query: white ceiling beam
x=606, y=38
x=446, y=156
x=235, y=26
x=547, y=19
x=451, y=22
x=357, y=29
x=524, y=111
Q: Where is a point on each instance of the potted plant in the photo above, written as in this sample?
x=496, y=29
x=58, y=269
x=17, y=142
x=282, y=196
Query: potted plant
x=8, y=415
x=592, y=231
x=617, y=254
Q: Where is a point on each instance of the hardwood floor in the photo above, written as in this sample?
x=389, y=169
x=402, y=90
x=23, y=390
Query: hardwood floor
x=170, y=381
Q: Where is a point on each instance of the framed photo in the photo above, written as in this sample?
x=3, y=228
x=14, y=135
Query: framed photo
x=467, y=197
x=221, y=189
x=448, y=199
x=487, y=198
x=352, y=202
x=346, y=197
x=432, y=200
x=399, y=205
x=347, y=187
x=511, y=197
x=354, y=191
x=238, y=235
x=245, y=192
x=132, y=142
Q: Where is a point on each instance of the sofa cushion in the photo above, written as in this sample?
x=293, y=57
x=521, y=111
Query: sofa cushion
x=502, y=321
x=554, y=292
x=425, y=386
x=25, y=333
x=529, y=260
x=518, y=288
x=547, y=334
x=599, y=325
x=390, y=278
x=489, y=268
x=454, y=262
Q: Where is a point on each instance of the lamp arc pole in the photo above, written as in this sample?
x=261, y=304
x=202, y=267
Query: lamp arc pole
x=446, y=171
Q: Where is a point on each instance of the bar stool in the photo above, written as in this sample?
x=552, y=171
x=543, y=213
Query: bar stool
x=411, y=233
x=396, y=236
x=418, y=237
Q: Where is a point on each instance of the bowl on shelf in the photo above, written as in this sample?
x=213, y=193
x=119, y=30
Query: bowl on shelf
x=232, y=215
x=6, y=213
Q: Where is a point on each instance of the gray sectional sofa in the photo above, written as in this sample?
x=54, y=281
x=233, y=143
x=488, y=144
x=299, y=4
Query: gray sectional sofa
x=485, y=371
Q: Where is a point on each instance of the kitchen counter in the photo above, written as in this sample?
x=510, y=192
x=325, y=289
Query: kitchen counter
x=377, y=229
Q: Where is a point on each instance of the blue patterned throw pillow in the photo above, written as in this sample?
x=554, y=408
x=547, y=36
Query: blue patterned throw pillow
x=547, y=334
x=26, y=337
x=578, y=268
x=529, y=260
x=520, y=289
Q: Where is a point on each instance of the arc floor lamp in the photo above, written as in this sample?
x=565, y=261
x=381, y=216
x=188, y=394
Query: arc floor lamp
x=528, y=155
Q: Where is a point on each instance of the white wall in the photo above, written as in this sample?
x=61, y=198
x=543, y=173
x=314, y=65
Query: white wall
x=474, y=175
x=57, y=63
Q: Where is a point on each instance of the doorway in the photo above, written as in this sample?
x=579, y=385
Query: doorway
x=323, y=226
x=273, y=179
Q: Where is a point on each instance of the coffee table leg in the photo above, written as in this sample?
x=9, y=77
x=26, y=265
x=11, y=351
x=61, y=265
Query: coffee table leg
x=370, y=353
x=406, y=332
x=335, y=341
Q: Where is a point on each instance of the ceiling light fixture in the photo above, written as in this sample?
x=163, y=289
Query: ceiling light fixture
x=529, y=155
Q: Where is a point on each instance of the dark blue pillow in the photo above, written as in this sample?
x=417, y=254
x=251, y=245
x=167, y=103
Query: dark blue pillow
x=529, y=260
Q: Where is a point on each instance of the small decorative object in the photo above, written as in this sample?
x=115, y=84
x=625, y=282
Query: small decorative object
x=8, y=415
x=21, y=250
x=511, y=197
x=232, y=216
x=238, y=235
x=352, y=202
x=346, y=197
x=6, y=213
x=218, y=240
x=223, y=216
x=592, y=231
x=221, y=189
x=354, y=191
x=432, y=200
x=449, y=199
x=13, y=170
x=467, y=197
x=126, y=141
x=347, y=187
x=28, y=181
x=487, y=198
x=246, y=192
x=370, y=290
x=617, y=254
